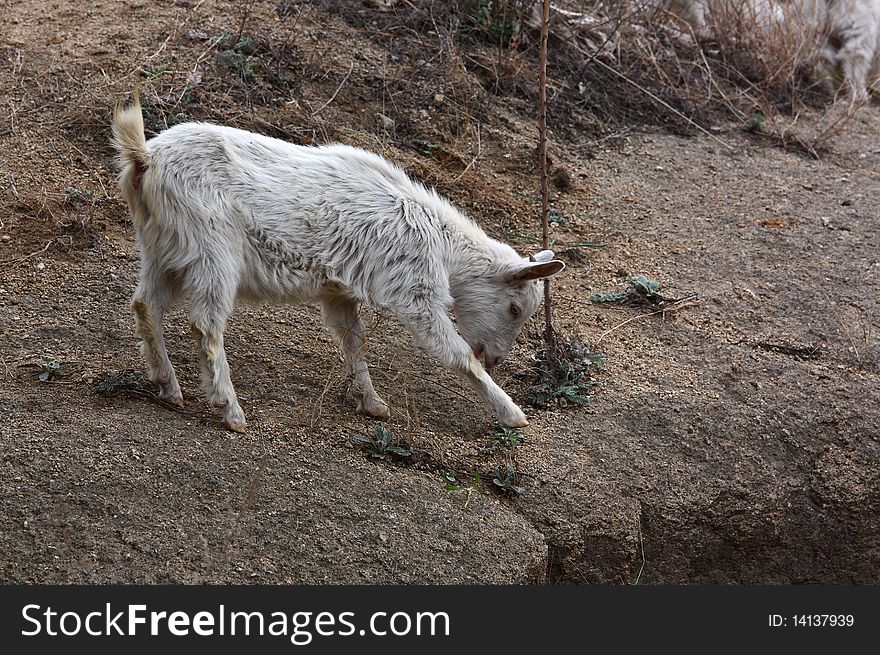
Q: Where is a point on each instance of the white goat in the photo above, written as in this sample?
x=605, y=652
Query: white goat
x=850, y=29
x=853, y=45
x=221, y=213
x=703, y=15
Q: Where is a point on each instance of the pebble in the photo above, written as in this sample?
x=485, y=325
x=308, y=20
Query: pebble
x=386, y=121
x=6, y=238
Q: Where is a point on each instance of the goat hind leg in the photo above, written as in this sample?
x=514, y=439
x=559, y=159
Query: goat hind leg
x=153, y=296
x=208, y=322
x=856, y=60
x=342, y=320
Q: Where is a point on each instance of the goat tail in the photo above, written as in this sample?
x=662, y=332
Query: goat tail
x=134, y=158
x=128, y=137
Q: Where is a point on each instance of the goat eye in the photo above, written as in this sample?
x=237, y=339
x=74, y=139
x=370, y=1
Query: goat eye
x=515, y=310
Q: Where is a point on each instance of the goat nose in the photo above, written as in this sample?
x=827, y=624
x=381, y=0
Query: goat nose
x=494, y=361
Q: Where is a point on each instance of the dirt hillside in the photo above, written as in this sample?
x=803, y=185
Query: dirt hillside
x=732, y=440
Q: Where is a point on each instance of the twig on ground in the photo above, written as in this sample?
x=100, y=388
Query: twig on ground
x=128, y=382
x=473, y=159
x=21, y=259
x=678, y=305
x=336, y=92
x=174, y=32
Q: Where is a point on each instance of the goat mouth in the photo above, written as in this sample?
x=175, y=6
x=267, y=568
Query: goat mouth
x=485, y=358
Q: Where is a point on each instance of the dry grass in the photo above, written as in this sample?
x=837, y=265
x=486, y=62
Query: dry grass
x=617, y=62
x=763, y=74
x=429, y=75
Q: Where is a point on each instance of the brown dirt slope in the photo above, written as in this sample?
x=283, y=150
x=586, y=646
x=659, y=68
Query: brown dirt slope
x=732, y=441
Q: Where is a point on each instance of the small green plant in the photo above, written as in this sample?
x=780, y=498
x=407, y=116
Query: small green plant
x=50, y=369
x=237, y=62
x=561, y=388
x=153, y=120
x=111, y=383
x=505, y=480
x=424, y=147
x=74, y=197
x=556, y=217
x=380, y=443
x=563, y=377
x=156, y=72
x=507, y=437
x=129, y=382
x=157, y=117
x=755, y=121
x=453, y=483
x=640, y=288
x=234, y=52
x=237, y=41
x=499, y=22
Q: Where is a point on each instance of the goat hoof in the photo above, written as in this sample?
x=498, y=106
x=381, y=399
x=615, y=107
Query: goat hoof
x=173, y=398
x=375, y=408
x=235, y=425
x=513, y=418
x=235, y=421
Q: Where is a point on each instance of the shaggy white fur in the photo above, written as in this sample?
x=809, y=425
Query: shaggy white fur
x=221, y=214
x=853, y=46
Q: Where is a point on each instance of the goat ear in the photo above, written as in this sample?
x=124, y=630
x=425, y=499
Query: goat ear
x=534, y=271
x=543, y=256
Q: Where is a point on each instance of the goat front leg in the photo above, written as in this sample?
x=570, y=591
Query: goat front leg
x=342, y=320
x=856, y=60
x=436, y=334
